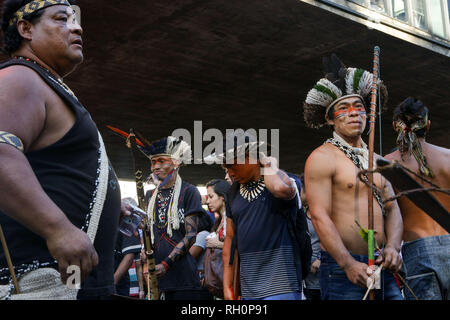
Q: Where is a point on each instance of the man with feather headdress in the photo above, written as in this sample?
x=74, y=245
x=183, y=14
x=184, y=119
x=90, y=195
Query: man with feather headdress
x=174, y=208
x=337, y=200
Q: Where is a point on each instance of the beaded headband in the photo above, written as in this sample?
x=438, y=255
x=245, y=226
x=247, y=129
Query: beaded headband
x=170, y=146
x=339, y=82
x=335, y=102
x=34, y=6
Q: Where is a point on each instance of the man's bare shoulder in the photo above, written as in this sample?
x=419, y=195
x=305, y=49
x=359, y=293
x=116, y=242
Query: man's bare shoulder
x=21, y=90
x=441, y=150
x=439, y=157
x=324, y=151
x=20, y=78
x=22, y=103
x=322, y=158
x=393, y=156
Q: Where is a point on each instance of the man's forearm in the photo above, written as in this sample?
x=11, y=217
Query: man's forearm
x=182, y=248
x=228, y=271
x=278, y=183
x=123, y=267
x=228, y=275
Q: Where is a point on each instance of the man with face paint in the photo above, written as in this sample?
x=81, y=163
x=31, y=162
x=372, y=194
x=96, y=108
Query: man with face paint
x=60, y=203
x=337, y=199
x=174, y=208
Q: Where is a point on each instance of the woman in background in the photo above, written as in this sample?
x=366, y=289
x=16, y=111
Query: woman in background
x=217, y=191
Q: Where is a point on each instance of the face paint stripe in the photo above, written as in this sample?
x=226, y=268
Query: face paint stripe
x=343, y=113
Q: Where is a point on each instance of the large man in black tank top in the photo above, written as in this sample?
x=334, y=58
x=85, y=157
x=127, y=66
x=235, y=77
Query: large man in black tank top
x=50, y=152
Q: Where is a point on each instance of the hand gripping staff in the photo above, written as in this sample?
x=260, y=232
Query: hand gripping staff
x=153, y=293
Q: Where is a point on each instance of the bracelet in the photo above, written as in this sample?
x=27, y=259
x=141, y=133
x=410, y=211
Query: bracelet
x=166, y=266
x=167, y=262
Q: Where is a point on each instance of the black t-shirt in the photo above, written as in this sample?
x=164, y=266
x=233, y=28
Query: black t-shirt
x=67, y=172
x=183, y=273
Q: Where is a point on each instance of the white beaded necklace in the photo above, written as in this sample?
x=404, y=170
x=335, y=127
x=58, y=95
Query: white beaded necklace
x=251, y=190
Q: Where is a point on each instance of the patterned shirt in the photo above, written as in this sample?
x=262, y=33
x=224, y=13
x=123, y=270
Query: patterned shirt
x=267, y=265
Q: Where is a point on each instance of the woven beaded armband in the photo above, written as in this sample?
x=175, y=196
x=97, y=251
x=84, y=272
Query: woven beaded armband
x=9, y=138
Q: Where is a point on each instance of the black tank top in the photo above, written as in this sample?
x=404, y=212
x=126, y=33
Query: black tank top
x=68, y=173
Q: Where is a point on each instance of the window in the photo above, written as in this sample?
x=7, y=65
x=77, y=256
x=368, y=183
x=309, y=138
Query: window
x=419, y=14
x=448, y=5
x=378, y=5
x=399, y=10
x=360, y=2
x=436, y=23
x=432, y=16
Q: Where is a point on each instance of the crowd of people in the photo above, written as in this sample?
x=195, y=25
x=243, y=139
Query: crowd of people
x=61, y=203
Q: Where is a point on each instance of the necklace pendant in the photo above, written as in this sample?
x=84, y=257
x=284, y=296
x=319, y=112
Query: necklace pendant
x=251, y=191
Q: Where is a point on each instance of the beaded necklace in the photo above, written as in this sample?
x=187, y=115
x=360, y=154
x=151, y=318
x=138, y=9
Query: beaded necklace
x=50, y=74
x=251, y=190
x=162, y=205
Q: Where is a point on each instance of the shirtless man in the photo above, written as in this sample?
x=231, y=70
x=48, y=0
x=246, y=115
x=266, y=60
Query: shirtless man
x=337, y=199
x=428, y=278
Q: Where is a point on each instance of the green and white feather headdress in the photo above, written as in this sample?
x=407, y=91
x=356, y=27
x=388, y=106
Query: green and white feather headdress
x=339, y=83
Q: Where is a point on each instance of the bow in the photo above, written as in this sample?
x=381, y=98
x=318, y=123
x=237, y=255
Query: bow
x=135, y=144
x=373, y=108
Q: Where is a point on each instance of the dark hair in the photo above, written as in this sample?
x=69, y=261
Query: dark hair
x=221, y=187
x=409, y=111
x=11, y=37
x=205, y=223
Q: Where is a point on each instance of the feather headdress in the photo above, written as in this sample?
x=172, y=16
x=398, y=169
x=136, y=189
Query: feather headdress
x=411, y=117
x=339, y=83
x=170, y=146
x=180, y=152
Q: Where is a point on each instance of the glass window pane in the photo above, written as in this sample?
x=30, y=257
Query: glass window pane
x=361, y=2
x=399, y=9
x=436, y=14
x=378, y=5
x=419, y=14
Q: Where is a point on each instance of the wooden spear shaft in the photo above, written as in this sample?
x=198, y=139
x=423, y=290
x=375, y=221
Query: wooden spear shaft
x=373, y=108
x=9, y=261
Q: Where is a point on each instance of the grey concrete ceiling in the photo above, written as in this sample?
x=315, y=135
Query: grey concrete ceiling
x=161, y=65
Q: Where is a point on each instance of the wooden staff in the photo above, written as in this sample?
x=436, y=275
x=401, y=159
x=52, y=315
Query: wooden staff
x=373, y=108
x=153, y=292
x=9, y=261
